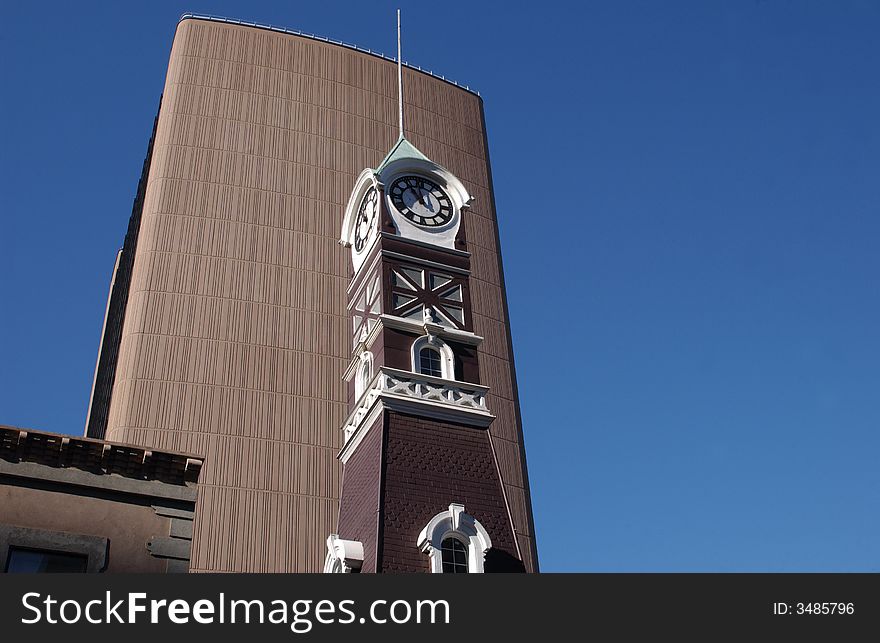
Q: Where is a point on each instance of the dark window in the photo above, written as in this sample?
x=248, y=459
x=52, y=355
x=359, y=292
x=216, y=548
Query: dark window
x=36, y=561
x=454, y=557
x=429, y=362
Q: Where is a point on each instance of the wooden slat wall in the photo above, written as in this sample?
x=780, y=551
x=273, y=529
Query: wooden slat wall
x=236, y=332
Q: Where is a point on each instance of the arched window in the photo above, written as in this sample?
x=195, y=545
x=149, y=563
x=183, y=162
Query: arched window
x=430, y=362
x=363, y=374
x=455, y=556
x=432, y=356
x=455, y=542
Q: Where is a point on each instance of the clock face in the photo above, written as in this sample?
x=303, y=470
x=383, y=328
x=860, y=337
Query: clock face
x=421, y=201
x=366, y=219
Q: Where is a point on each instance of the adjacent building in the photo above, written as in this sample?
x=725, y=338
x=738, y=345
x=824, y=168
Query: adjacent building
x=70, y=504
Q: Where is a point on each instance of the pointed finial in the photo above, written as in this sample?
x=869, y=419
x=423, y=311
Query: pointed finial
x=399, y=78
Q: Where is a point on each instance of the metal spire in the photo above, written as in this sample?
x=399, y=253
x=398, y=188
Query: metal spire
x=399, y=77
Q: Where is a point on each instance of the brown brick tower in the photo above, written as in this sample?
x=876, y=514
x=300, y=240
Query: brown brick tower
x=421, y=488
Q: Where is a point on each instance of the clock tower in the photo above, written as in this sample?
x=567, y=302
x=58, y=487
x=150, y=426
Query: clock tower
x=421, y=489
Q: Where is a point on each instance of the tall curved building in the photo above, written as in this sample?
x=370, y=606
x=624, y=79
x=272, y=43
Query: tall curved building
x=229, y=329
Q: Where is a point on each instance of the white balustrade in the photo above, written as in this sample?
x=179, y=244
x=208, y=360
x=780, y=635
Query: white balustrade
x=394, y=383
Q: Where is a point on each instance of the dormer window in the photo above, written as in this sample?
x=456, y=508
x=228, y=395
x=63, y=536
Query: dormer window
x=430, y=362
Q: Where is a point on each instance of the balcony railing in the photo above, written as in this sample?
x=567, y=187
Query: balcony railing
x=434, y=396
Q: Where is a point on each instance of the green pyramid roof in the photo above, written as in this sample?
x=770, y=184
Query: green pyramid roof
x=402, y=149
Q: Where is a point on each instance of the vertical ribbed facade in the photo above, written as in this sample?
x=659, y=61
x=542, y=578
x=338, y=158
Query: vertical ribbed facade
x=235, y=334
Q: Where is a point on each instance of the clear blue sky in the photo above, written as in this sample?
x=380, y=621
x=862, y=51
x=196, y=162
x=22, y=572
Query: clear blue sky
x=690, y=215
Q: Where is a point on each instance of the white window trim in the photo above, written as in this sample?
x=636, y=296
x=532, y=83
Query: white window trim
x=455, y=523
x=343, y=556
x=447, y=357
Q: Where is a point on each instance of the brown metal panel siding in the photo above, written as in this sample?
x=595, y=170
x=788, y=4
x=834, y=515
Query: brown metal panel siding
x=359, y=506
x=105, y=369
x=236, y=333
x=428, y=465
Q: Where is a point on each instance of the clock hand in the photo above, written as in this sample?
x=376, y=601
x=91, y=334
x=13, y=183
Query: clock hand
x=425, y=199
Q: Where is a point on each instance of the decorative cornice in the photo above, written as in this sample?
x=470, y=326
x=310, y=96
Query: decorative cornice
x=24, y=451
x=419, y=327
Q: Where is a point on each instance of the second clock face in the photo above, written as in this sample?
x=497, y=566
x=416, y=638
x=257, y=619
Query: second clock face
x=421, y=201
x=366, y=219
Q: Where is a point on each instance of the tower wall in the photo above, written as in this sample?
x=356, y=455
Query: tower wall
x=236, y=333
x=360, y=508
x=428, y=465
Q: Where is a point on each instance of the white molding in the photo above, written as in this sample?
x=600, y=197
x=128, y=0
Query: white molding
x=359, y=422
x=419, y=327
x=438, y=412
x=417, y=394
x=343, y=556
x=463, y=396
x=455, y=523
